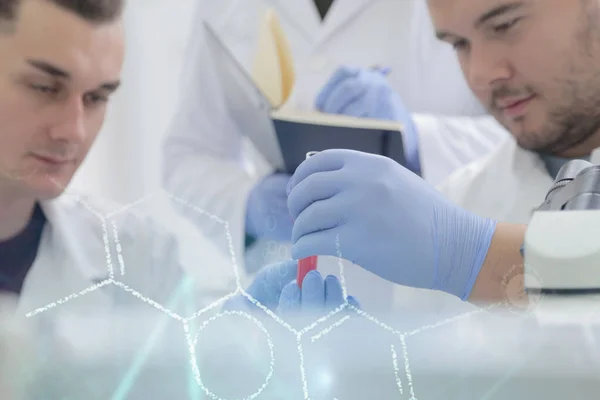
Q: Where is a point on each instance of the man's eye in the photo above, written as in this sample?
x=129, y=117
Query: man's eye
x=504, y=27
x=460, y=44
x=44, y=89
x=93, y=99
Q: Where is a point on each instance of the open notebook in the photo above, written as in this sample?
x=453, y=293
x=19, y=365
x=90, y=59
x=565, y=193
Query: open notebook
x=287, y=135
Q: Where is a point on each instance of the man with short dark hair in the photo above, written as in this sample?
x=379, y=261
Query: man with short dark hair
x=60, y=62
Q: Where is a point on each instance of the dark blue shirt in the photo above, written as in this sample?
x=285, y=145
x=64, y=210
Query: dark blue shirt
x=554, y=164
x=18, y=253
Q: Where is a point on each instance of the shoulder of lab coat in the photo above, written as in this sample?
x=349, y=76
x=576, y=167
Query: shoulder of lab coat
x=507, y=185
x=131, y=243
x=449, y=143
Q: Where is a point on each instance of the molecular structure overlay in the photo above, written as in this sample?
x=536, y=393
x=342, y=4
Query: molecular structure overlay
x=402, y=374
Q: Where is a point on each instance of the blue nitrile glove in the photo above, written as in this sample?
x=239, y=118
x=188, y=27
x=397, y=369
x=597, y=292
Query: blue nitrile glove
x=366, y=93
x=317, y=295
x=388, y=220
x=275, y=288
x=267, y=216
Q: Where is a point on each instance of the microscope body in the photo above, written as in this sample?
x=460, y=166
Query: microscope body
x=562, y=242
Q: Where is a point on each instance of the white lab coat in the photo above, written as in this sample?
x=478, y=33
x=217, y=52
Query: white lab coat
x=79, y=243
x=506, y=185
x=210, y=163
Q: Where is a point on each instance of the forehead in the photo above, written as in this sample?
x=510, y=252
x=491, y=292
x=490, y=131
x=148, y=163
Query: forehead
x=47, y=32
x=460, y=11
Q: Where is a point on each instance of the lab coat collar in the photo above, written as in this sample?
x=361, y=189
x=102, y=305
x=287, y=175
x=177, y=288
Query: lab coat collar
x=64, y=236
x=302, y=14
x=554, y=163
x=72, y=257
x=340, y=14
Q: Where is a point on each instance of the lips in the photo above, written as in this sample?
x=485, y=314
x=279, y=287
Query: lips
x=512, y=101
x=53, y=161
x=514, y=106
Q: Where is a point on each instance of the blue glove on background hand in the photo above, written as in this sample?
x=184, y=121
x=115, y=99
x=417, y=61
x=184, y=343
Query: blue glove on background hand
x=366, y=93
x=267, y=215
x=389, y=221
x=275, y=288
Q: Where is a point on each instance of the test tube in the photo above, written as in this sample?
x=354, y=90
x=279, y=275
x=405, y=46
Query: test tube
x=305, y=265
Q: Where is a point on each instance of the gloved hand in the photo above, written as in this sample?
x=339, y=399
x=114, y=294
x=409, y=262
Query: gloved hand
x=267, y=216
x=275, y=288
x=388, y=220
x=317, y=296
x=366, y=93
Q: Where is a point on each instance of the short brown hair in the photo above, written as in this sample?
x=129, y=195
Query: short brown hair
x=96, y=11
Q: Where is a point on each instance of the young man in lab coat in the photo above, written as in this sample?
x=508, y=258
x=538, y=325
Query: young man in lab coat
x=534, y=64
x=334, y=44
x=60, y=62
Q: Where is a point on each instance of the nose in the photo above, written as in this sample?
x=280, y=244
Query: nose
x=69, y=125
x=487, y=65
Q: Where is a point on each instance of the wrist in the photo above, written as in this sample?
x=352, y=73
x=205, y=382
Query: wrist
x=504, y=259
x=462, y=249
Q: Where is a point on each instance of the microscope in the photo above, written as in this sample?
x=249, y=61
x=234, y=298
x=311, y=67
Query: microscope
x=562, y=245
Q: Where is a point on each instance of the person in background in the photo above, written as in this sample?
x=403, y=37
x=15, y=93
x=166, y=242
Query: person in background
x=367, y=58
x=534, y=64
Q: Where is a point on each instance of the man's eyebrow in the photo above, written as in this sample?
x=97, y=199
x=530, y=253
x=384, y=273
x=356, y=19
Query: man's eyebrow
x=60, y=73
x=110, y=86
x=49, y=69
x=495, y=12
x=443, y=35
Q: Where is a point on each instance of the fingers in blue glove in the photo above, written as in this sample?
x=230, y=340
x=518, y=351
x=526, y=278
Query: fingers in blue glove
x=313, y=293
x=289, y=302
x=340, y=75
x=334, y=295
x=356, y=108
x=373, y=103
x=318, y=216
x=346, y=92
x=318, y=186
x=270, y=281
x=322, y=243
x=324, y=161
